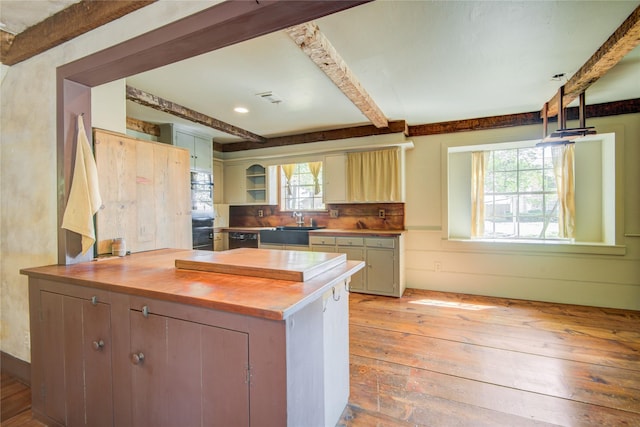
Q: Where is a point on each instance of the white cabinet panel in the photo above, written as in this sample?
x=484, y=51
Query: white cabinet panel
x=335, y=178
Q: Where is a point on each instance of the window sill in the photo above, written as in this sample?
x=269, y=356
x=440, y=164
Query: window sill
x=547, y=247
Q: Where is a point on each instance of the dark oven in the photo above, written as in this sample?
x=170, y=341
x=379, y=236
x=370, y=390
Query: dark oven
x=242, y=240
x=202, y=232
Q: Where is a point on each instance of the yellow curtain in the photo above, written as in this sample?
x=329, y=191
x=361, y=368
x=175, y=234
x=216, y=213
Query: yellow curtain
x=373, y=175
x=288, y=173
x=478, y=166
x=315, y=168
x=564, y=170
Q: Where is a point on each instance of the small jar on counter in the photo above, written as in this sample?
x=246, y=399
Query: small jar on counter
x=118, y=247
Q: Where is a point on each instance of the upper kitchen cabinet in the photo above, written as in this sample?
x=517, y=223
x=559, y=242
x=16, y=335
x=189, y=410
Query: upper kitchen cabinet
x=200, y=146
x=334, y=176
x=365, y=176
x=250, y=184
x=375, y=176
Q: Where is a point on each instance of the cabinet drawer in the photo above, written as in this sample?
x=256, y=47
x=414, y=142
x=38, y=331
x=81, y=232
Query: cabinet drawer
x=380, y=242
x=322, y=240
x=350, y=241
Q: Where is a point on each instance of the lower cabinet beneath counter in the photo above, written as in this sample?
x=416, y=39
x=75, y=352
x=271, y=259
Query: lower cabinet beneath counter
x=383, y=256
x=104, y=358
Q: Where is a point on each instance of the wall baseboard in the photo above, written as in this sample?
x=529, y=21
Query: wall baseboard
x=15, y=367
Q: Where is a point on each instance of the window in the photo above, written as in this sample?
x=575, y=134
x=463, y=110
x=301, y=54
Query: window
x=301, y=187
x=519, y=193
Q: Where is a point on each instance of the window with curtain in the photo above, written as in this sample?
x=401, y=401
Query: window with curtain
x=301, y=187
x=521, y=193
x=519, y=196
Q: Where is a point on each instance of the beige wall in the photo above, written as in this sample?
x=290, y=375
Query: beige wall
x=28, y=159
x=591, y=279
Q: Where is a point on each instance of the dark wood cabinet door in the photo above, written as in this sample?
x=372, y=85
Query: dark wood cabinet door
x=97, y=350
x=77, y=382
x=52, y=335
x=187, y=374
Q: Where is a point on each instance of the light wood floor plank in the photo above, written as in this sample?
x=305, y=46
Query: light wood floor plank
x=441, y=359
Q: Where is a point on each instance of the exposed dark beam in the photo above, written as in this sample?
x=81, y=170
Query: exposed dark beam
x=621, y=42
x=523, y=119
x=630, y=106
x=70, y=22
x=399, y=126
x=149, y=100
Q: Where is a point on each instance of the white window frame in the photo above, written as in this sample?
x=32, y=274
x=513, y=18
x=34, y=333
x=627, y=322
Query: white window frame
x=282, y=188
x=600, y=232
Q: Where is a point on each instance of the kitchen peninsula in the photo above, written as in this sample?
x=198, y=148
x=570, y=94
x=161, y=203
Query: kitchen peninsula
x=138, y=341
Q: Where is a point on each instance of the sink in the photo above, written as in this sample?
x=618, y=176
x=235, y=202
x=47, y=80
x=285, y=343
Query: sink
x=287, y=235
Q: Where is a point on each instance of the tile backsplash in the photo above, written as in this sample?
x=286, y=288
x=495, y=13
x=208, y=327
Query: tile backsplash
x=375, y=216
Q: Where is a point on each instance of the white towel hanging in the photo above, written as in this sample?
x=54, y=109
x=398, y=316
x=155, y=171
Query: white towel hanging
x=84, y=196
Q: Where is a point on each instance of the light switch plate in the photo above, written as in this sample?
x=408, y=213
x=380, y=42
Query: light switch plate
x=333, y=213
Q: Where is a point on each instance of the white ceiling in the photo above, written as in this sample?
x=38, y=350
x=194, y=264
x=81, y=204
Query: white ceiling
x=421, y=61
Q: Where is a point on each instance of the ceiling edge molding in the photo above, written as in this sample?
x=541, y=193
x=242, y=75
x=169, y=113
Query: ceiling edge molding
x=621, y=42
x=65, y=25
x=319, y=49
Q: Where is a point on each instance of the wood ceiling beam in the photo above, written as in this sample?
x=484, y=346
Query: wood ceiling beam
x=630, y=106
x=70, y=22
x=143, y=127
x=399, y=126
x=317, y=47
x=152, y=101
x=6, y=40
x=621, y=42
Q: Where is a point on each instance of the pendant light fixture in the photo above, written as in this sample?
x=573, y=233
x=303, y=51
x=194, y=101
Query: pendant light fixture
x=563, y=135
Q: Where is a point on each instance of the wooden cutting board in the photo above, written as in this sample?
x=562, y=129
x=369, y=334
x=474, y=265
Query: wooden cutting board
x=298, y=266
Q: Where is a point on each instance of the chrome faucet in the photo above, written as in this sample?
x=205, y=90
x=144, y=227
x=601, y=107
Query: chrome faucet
x=299, y=218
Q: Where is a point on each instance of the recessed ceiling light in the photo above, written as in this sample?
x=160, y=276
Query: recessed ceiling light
x=241, y=110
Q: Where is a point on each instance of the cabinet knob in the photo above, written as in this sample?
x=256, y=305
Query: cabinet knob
x=145, y=311
x=94, y=300
x=98, y=345
x=137, y=358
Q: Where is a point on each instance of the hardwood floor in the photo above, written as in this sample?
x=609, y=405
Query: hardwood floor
x=16, y=404
x=438, y=359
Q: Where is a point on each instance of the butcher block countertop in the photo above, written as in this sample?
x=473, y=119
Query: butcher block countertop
x=154, y=274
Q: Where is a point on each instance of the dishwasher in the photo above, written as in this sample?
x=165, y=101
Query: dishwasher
x=239, y=239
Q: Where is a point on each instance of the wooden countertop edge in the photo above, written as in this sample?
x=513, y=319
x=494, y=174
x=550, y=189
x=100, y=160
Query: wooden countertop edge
x=349, y=268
